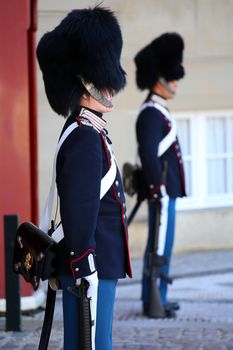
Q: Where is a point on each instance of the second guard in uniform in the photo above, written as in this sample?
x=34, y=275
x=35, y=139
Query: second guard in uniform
x=158, y=67
x=80, y=62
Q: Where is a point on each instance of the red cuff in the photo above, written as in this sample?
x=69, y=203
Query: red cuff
x=84, y=265
x=155, y=191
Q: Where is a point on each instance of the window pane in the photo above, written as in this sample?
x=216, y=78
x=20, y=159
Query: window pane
x=230, y=126
x=183, y=127
x=216, y=176
x=230, y=175
x=187, y=170
x=216, y=137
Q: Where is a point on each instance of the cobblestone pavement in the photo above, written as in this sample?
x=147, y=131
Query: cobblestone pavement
x=204, y=288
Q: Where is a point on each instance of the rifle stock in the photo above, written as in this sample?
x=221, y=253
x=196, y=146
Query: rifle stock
x=155, y=308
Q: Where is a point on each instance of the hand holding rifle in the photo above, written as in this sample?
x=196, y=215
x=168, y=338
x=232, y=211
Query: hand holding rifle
x=86, y=290
x=90, y=290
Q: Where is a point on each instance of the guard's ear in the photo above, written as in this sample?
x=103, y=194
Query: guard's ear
x=85, y=96
x=85, y=99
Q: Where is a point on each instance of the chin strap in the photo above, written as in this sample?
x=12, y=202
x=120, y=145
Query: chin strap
x=164, y=83
x=96, y=94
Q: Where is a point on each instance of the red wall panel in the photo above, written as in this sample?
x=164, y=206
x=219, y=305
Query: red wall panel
x=16, y=119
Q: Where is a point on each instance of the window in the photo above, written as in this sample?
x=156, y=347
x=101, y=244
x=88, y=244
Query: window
x=219, y=155
x=207, y=146
x=185, y=141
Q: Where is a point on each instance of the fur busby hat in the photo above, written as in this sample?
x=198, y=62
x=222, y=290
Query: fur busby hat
x=84, y=47
x=161, y=58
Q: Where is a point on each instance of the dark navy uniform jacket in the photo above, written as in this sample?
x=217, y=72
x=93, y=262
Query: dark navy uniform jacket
x=92, y=227
x=151, y=128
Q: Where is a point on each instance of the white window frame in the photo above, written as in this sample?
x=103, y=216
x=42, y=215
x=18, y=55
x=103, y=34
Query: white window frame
x=198, y=148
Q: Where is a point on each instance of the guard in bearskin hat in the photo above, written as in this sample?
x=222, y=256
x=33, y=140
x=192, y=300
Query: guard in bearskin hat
x=158, y=67
x=80, y=63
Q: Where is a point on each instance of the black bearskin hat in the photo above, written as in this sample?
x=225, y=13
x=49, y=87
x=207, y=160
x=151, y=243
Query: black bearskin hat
x=85, y=45
x=161, y=58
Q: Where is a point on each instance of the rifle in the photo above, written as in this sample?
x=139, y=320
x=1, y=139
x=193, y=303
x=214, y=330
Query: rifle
x=153, y=270
x=85, y=322
x=155, y=262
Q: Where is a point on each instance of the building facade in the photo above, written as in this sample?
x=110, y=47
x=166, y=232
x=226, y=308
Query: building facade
x=203, y=109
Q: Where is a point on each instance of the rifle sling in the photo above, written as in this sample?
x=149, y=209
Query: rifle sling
x=48, y=319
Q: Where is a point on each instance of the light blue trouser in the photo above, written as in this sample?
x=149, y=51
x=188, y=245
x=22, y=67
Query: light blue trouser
x=169, y=240
x=105, y=308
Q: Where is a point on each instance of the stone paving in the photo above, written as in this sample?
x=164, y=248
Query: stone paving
x=204, y=288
